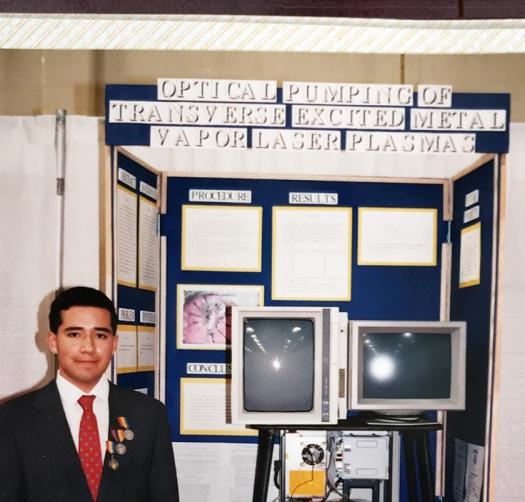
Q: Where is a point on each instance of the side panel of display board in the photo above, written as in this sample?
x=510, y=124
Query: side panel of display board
x=472, y=290
x=136, y=272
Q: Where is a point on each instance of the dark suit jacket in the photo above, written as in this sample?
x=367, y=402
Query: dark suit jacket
x=39, y=462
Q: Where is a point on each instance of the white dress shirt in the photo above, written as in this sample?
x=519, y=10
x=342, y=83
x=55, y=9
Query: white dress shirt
x=70, y=394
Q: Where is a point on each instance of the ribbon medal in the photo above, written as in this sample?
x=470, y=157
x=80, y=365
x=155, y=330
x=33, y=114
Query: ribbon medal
x=113, y=462
x=124, y=433
x=128, y=433
x=118, y=447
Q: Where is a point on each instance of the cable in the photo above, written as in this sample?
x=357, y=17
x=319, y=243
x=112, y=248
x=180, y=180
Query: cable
x=304, y=482
x=333, y=489
x=277, y=474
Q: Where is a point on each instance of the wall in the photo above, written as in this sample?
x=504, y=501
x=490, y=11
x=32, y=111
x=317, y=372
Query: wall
x=37, y=82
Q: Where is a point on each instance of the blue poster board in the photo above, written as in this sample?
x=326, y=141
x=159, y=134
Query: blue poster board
x=378, y=292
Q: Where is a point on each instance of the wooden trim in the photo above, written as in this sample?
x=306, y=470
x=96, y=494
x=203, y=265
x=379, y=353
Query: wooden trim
x=448, y=200
x=309, y=177
x=446, y=275
x=105, y=217
x=161, y=322
x=444, y=315
x=498, y=326
x=441, y=454
x=163, y=194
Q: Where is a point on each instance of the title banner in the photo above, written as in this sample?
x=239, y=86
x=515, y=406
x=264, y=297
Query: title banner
x=306, y=116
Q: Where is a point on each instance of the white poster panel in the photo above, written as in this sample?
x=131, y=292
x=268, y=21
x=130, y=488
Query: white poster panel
x=474, y=472
x=206, y=408
x=470, y=256
x=127, y=349
x=311, y=253
x=126, y=237
x=218, y=472
x=148, y=243
x=146, y=337
x=397, y=236
x=221, y=238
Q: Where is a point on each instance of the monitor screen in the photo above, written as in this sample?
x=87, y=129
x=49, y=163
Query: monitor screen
x=406, y=365
x=278, y=364
x=286, y=365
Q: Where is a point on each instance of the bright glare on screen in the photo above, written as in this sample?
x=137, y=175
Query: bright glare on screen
x=382, y=367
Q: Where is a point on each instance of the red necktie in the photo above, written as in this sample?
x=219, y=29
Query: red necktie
x=89, y=446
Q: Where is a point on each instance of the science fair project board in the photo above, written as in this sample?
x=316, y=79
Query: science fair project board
x=376, y=249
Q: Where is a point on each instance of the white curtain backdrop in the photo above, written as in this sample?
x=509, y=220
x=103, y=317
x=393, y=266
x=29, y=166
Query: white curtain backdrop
x=28, y=273
x=82, y=206
x=507, y=434
x=29, y=225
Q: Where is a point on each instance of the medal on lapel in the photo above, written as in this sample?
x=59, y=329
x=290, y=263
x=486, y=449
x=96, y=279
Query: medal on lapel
x=128, y=433
x=118, y=436
x=124, y=433
x=113, y=462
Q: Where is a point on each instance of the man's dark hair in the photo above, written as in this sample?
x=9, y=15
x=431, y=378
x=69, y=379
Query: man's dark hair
x=80, y=296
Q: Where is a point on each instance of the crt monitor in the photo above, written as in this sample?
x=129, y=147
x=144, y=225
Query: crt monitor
x=285, y=365
x=405, y=367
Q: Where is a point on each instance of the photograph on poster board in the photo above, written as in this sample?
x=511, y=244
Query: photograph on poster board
x=397, y=236
x=311, y=253
x=205, y=408
x=221, y=238
x=203, y=313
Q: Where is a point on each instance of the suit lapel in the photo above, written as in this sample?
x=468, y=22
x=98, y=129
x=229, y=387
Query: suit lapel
x=56, y=435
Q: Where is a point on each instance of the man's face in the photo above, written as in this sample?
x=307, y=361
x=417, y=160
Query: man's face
x=84, y=345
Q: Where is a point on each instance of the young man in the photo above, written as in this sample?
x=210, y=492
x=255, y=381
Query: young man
x=81, y=438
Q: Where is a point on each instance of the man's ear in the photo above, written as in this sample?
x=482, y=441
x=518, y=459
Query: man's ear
x=115, y=343
x=52, y=342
